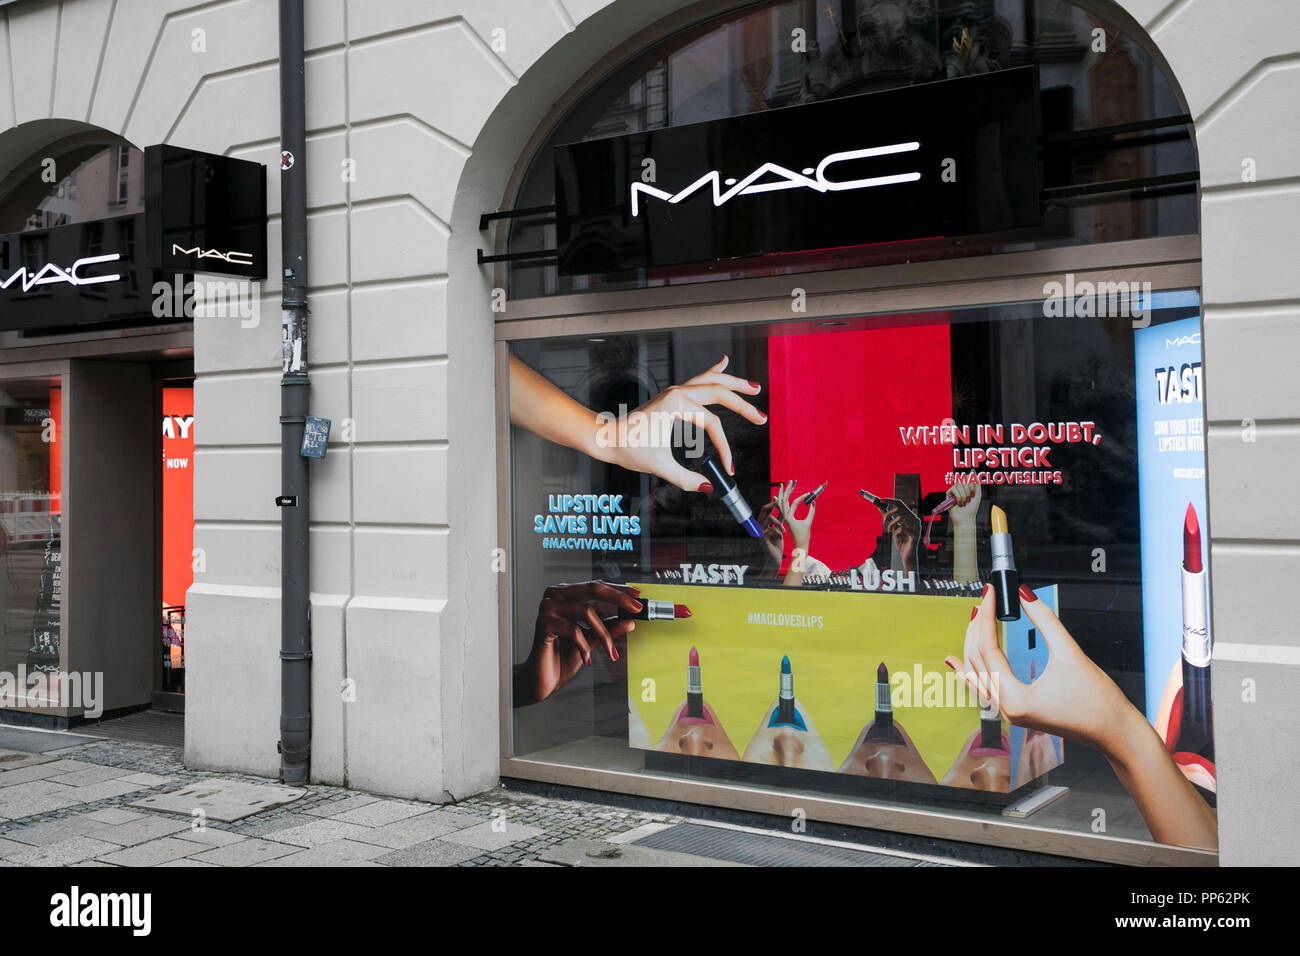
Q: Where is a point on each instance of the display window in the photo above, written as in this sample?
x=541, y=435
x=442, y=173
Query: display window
x=944, y=560
x=906, y=520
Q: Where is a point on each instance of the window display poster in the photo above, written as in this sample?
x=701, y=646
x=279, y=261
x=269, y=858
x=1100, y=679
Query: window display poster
x=833, y=681
x=778, y=510
x=1175, y=545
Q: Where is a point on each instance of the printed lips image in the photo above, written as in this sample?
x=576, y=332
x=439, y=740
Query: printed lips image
x=786, y=736
x=883, y=749
x=696, y=731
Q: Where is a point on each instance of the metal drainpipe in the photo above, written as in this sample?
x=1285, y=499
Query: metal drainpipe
x=295, y=513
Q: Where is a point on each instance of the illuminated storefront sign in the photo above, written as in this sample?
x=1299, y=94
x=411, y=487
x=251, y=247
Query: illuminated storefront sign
x=937, y=160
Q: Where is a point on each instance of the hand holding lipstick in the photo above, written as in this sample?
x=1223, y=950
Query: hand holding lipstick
x=689, y=402
x=800, y=531
x=1073, y=698
x=773, y=539
x=901, y=524
x=966, y=497
x=568, y=624
x=637, y=441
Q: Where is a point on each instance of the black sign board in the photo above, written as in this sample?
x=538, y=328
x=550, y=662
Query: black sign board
x=64, y=276
x=952, y=158
x=206, y=213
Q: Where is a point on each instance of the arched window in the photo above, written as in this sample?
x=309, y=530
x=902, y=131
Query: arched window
x=72, y=184
x=1118, y=157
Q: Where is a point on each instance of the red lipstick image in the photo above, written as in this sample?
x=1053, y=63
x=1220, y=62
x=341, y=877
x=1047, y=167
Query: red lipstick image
x=1191, y=542
x=694, y=690
x=1193, y=734
x=656, y=611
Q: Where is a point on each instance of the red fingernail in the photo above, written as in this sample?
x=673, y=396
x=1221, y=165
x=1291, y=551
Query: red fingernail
x=613, y=655
x=1027, y=595
x=988, y=589
x=639, y=606
x=705, y=488
x=755, y=385
x=973, y=611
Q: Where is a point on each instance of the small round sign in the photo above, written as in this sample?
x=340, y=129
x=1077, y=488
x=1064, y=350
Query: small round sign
x=286, y=159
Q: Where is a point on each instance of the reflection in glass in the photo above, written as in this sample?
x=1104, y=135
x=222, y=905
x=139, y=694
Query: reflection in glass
x=31, y=579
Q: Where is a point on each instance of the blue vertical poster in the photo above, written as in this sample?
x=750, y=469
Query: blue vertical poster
x=1171, y=476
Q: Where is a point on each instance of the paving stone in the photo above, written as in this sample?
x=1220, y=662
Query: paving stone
x=14, y=759
x=484, y=837
x=36, y=771
x=64, y=853
x=10, y=847
x=66, y=765
x=244, y=853
x=186, y=861
x=149, y=779
x=222, y=799
x=429, y=853
x=415, y=830
x=30, y=806
x=337, y=853
x=139, y=831
x=43, y=834
x=114, y=815
x=95, y=792
x=80, y=778
x=32, y=788
x=381, y=812
x=265, y=826
x=153, y=853
x=331, y=808
x=318, y=832
x=601, y=853
x=209, y=836
x=313, y=858
x=638, y=833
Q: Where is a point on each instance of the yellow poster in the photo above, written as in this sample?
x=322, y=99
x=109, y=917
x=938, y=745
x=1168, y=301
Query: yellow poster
x=836, y=649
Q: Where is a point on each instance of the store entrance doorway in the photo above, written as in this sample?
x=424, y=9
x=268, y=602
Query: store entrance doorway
x=175, y=545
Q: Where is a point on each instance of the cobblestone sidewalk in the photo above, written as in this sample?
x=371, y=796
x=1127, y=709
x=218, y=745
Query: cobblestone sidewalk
x=71, y=807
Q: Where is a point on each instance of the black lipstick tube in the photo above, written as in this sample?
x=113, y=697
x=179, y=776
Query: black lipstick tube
x=725, y=487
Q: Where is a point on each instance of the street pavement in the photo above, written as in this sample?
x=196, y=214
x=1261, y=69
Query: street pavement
x=101, y=803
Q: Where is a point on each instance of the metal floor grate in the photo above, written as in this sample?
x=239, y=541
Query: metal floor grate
x=738, y=846
x=144, y=727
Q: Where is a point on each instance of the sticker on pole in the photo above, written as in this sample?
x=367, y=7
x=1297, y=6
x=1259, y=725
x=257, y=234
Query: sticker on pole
x=286, y=160
x=315, y=436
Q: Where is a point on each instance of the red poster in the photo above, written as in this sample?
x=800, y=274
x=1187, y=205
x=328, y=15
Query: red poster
x=177, y=494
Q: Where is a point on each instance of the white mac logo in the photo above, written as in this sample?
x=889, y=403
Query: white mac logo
x=50, y=273
x=234, y=258
x=809, y=178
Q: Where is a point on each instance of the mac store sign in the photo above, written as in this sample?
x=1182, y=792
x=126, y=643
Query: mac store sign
x=203, y=214
x=939, y=160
